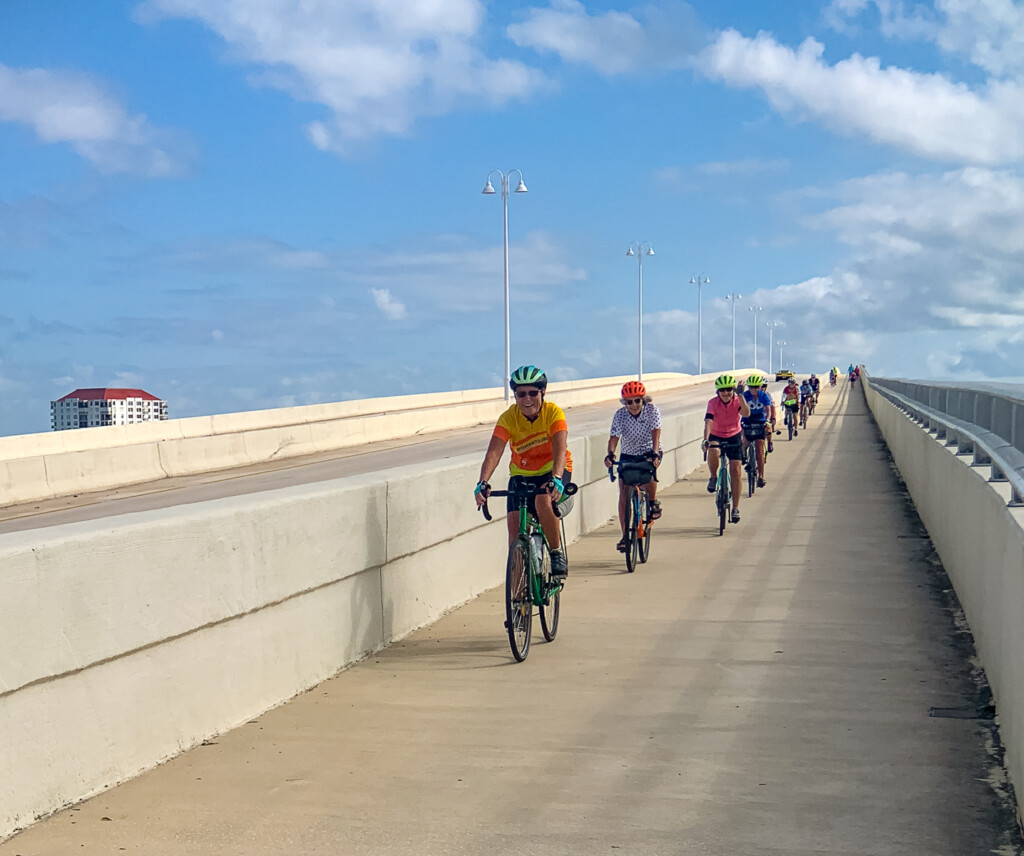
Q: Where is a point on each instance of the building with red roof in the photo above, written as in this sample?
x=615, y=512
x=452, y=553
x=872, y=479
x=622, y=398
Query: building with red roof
x=92, y=408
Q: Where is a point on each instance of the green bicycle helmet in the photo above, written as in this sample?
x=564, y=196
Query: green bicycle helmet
x=755, y=380
x=528, y=376
x=726, y=381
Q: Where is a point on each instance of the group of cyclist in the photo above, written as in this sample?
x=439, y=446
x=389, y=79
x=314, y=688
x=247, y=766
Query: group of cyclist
x=740, y=415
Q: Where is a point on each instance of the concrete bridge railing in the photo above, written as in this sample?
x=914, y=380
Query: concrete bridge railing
x=967, y=505
x=62, y=463
x=125, y=641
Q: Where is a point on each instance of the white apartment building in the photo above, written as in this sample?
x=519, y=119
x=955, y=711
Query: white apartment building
x=90, y=408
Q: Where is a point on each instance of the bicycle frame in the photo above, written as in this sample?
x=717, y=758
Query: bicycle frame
x=541, y=589
x=637, y=501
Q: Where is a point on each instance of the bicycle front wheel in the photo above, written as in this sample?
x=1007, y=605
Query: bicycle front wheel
x=552, y=599
x=789, y=426
x=723, y=498
x=518, y=600
x=644, y=541
x=751, y=463
x=633, y=543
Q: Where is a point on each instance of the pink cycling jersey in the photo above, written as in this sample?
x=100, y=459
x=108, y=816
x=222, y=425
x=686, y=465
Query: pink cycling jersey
x=725, y=417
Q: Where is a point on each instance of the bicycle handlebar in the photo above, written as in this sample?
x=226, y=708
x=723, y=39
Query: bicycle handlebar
x=526, y=489
x=650, y=457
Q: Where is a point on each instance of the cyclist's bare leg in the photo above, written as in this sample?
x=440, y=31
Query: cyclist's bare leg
x=650, y=489
x=734, y=475
x=713, y=455
x=623, y=494
x=512, y=519
x=548, y=520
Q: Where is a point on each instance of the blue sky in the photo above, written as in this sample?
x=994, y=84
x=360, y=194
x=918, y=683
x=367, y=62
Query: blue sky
x=244, y=204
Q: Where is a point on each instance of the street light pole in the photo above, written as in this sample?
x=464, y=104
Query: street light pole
x=489, y=189
x=732, y=298
x=637, y=249
x=771, y=325
x=755, y=310
x=699, y=281
x=781, y=346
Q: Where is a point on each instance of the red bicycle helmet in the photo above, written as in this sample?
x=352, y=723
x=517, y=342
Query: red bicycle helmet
x=633, y=389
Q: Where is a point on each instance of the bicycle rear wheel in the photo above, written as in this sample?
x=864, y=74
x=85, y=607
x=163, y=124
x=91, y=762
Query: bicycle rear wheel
x=722, y=497
x=632, y=543
x=518, y=601
x=750, y=461
x=644, y=541
x=549, y=607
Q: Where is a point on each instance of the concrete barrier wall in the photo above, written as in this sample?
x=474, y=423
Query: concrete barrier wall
x=126, y=641
x=61, y=463
x=981, y=543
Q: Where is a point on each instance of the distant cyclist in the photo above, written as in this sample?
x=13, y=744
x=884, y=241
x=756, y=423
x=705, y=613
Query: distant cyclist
x=760, y=420
x=722, y=426
x=537, y=433
x=791, y=401
x=806, y=394
x=815, y=387
x=638, y=425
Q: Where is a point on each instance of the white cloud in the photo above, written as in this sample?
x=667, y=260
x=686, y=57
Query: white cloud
x=392, y=309
x=662, y=36
x=990, y=33
x=62, y=107
x=927, y=114
x=377, y=65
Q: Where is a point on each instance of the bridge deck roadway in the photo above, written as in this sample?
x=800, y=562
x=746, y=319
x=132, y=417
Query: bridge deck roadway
x=767, y=692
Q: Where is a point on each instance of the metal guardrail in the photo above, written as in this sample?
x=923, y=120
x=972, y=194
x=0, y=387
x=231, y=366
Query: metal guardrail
x=995, y=407
x=986, y=448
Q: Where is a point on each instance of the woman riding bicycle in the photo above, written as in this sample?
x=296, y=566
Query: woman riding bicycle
x=760, y=420
x=538, y=435
x=722, y=427
x=638, y=425
x=791, y=402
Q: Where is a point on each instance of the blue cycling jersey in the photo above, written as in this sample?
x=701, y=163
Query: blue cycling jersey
x=759, y=405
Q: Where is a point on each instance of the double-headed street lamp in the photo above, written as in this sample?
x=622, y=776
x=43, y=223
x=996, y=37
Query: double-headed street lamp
x=732, y=298
x=489, y=189
x=637, y=249
x=700, y=280
x=771, y=325
x=755, y=310
x=781, y=346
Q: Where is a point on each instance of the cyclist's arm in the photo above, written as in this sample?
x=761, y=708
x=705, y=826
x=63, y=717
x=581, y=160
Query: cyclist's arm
x=613, y=443
x=744, y=407
x=495, y=449
x=708, y=421
x=656, y=445
x=559, y=443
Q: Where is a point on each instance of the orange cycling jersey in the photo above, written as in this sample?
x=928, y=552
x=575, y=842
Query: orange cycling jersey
x=532, y=453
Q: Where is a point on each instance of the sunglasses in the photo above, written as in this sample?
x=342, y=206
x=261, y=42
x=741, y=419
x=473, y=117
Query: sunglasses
x=633, y=400
x=527, y=393
x=728, y=390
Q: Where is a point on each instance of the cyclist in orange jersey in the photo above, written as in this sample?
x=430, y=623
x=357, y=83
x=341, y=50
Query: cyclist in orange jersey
x=537, y=433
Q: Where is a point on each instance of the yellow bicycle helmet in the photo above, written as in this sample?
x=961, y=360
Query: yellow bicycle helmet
x=726, y=381
x=755, y=380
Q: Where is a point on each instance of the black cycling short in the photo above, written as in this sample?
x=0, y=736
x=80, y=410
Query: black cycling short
x=732, y=447
x=754, y=431
x=512, y=502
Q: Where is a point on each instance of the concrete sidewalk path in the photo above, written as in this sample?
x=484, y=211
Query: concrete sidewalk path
x=766, y=692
